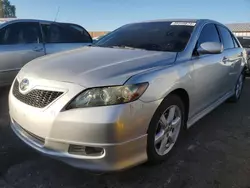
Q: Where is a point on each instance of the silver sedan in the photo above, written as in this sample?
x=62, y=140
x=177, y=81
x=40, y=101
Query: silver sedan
x=23, y=40
x=128, y=98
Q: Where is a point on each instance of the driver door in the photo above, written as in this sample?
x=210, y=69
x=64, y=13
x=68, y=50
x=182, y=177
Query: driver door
x=210, y=72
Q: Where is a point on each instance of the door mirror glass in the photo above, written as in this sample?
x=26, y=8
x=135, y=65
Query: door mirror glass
x=210, y=48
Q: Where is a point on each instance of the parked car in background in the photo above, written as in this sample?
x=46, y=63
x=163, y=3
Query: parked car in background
x=245, y=42
x=126, y=99
x=23, y=40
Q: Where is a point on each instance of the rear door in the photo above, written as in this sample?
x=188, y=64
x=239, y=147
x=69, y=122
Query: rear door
x=63, y=36
x=20, y=43
x=232, y=55
x=210, y=74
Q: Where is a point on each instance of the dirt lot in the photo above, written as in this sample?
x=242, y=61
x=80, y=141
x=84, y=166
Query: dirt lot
x=214, y=153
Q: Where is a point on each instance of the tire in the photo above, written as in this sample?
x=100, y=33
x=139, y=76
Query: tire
x=158, y=127
x=238, y=88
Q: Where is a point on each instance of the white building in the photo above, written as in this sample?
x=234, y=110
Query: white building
x=240, y=29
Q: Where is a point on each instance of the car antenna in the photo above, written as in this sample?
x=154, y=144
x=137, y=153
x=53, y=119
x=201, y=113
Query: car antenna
x=58, y=10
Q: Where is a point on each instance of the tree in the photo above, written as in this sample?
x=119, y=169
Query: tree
x=7, y=10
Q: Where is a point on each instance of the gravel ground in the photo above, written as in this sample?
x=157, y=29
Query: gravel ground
x=213, y=153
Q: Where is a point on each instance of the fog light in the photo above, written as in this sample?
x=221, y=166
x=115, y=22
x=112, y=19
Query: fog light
x=85, y=150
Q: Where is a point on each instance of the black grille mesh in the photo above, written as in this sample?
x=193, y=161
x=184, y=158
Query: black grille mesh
x=36, y=98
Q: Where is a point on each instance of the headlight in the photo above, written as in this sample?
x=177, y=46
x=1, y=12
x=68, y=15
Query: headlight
x=105, y=96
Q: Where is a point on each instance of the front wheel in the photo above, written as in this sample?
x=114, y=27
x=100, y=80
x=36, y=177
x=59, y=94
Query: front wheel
x=165, y=128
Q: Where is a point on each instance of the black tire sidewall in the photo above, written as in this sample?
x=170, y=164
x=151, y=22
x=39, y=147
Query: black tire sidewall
x=235, y=98
x=243, y=79
x=153, y=156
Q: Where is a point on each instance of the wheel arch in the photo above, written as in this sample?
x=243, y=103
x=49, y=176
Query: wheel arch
x=183, y=94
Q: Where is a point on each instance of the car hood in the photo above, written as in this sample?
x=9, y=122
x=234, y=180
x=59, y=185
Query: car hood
x=95, y=66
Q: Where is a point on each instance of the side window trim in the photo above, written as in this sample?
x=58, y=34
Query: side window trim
x=42, y=25
x=40, y=37
x=218, y=32
x=42, y=33
x=235, y=41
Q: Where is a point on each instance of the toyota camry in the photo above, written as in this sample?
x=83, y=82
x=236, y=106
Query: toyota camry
x=128, y=98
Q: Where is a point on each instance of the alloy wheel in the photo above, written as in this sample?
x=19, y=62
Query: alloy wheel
x=168, y=129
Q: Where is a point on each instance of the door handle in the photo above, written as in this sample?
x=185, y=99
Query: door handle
x=232, y=65
x=240, y=55
x=225, y=60
x=38, y=49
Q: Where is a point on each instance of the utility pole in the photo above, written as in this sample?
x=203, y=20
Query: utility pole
x=1, y=9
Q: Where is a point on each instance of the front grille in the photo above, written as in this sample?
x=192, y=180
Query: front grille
x=36, y=98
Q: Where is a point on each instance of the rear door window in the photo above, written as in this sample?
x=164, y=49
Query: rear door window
x=226, y=37
x=65, y=33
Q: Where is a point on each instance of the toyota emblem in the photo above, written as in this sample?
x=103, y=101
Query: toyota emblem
x=24, y=84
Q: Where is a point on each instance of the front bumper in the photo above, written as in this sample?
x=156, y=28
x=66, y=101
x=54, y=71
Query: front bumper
x=120, y=130
x=116, y=156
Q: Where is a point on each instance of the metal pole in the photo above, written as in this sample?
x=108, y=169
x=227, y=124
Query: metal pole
x=1, y=9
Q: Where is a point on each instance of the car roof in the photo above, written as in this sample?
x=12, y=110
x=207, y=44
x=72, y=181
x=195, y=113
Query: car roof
x=180, y=20
x=15, y=20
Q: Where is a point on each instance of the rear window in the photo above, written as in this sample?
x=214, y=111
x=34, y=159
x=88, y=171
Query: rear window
x=245, y=41
x=156, y=36
x=65, y=33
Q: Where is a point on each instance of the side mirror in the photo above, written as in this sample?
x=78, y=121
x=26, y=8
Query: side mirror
x=210, y=48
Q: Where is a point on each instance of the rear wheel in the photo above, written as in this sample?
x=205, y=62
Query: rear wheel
x=238, y=88
x=165, y=128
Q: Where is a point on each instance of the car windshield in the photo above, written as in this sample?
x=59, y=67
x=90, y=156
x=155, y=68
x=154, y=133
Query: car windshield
x=156, y=36
x=245, y=41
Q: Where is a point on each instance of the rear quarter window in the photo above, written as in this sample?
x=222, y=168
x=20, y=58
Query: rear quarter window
x=65, y=33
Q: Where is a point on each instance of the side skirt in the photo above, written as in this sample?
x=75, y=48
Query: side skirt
x=207, y=110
